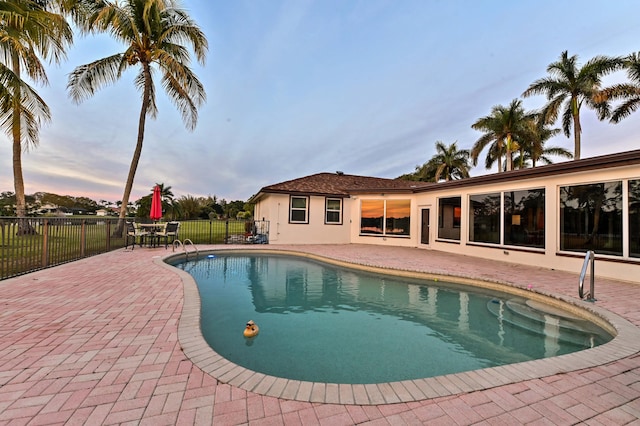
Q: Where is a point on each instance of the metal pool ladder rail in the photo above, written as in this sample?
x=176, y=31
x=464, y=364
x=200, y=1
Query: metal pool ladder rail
x=184, y=244
x=588, y=258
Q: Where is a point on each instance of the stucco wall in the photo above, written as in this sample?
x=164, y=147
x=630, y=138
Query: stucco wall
x=549, y=257
x=275, y=208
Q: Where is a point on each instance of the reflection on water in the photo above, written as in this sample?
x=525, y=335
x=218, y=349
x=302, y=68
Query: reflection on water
x=328, y=324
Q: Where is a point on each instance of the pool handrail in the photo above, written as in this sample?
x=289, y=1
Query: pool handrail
x=588, y=258
x=183, y=244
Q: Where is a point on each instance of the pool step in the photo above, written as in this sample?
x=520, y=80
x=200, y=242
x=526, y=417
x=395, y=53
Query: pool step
x=542, y=319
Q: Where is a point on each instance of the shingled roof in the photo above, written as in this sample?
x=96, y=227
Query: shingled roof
x=340, y=184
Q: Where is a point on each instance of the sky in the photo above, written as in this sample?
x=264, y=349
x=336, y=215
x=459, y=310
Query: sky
x=298, y=87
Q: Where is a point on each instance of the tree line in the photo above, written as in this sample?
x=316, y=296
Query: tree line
x=186, y=207
x=515, y=138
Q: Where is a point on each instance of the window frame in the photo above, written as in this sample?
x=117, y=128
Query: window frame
x=385, y=219
x=449, y=231
x=327, y=211
x=293, y=209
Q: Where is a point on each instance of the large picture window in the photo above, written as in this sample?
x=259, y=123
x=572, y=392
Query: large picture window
x=591, y=218
x=634, y=218
x=398, y=217
x=449, y=215
x=299, y=209
x=333, y=211
x=385, y=217
x=524, y=218
x=484, y=218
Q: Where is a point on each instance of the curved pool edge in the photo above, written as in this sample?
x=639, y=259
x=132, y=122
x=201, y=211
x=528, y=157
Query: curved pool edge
x=625, y=343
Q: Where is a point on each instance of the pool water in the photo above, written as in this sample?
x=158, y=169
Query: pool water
x=323, y=323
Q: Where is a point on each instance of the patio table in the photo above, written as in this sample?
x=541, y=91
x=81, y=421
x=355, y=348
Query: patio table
x=152, y=229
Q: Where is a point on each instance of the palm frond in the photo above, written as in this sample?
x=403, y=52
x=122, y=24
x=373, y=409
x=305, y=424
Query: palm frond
x=86, y=80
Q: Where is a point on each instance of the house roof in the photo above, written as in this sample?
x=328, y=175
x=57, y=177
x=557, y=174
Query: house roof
x=342, y=185
x=339, y=184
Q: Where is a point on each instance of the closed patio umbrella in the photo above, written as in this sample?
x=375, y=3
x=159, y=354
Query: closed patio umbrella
x=156, y=204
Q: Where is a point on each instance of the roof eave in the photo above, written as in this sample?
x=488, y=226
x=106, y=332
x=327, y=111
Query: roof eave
x=587, y=164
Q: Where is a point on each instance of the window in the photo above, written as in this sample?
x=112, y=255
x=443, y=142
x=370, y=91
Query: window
x=299, y=209
x=449, y=215
x=591, y=218
x=371, y=216
x=333, y=211
x=484, y=218
x=398, y=216
x=634, y=218
x=385, y=217
x=524, y=218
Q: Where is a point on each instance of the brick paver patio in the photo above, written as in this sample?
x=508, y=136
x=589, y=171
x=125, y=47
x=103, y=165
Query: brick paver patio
x=96, y=342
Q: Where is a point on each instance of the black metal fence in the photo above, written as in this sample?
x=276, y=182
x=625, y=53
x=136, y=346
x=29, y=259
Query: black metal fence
x=29, y=244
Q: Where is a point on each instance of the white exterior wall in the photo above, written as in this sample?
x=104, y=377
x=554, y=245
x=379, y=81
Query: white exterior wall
x=550, y=257
x=275, y=209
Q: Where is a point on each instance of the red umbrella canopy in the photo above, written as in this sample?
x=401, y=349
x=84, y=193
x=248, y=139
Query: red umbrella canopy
x=156, y=204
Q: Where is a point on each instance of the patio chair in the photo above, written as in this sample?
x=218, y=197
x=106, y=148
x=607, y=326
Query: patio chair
x=134, y=233
x=170, y=231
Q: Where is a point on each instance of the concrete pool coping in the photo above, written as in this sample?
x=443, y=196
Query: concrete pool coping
x=625, y=343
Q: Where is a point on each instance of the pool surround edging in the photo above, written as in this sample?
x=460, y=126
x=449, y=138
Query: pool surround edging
x=625, y=343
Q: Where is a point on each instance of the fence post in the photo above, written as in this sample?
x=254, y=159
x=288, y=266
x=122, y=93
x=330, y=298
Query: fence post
x=226, y=231
x=108, y=236
x=83, y=238
x=45, y=243
x=210, y=232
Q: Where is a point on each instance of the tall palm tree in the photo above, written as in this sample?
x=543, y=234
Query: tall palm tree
x=449, y=163
x=153, y=32
x=29, y=33
x=569, y=86
x=503, y=128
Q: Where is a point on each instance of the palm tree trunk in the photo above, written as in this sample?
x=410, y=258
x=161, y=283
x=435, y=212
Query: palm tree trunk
x=577, y=128
x=24, y=228
x=136, y=154
x=508, y=155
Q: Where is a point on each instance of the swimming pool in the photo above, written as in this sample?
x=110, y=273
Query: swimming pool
x=399, y=329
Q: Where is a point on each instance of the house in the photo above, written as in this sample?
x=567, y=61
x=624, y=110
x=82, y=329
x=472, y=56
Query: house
x=547, y=216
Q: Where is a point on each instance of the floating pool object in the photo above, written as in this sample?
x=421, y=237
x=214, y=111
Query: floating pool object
x=251, y=330
x=211, y=256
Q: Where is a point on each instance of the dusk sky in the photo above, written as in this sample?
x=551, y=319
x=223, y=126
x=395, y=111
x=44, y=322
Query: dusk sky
x=300, y=87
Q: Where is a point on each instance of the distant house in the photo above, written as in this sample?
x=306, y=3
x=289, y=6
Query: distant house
x=102, y=212
x=546, y=216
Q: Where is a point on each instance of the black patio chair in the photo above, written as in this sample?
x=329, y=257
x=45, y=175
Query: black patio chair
x=134, y=234
x=170, y=231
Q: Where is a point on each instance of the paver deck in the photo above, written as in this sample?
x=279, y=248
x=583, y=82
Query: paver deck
x=103, y=341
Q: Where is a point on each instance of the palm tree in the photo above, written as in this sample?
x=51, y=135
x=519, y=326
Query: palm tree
x=152, y=31
x=569, y=86
x=532, y=144
x=449, y=163
x=628, y=92
x=503, y=128
x=28, y=33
